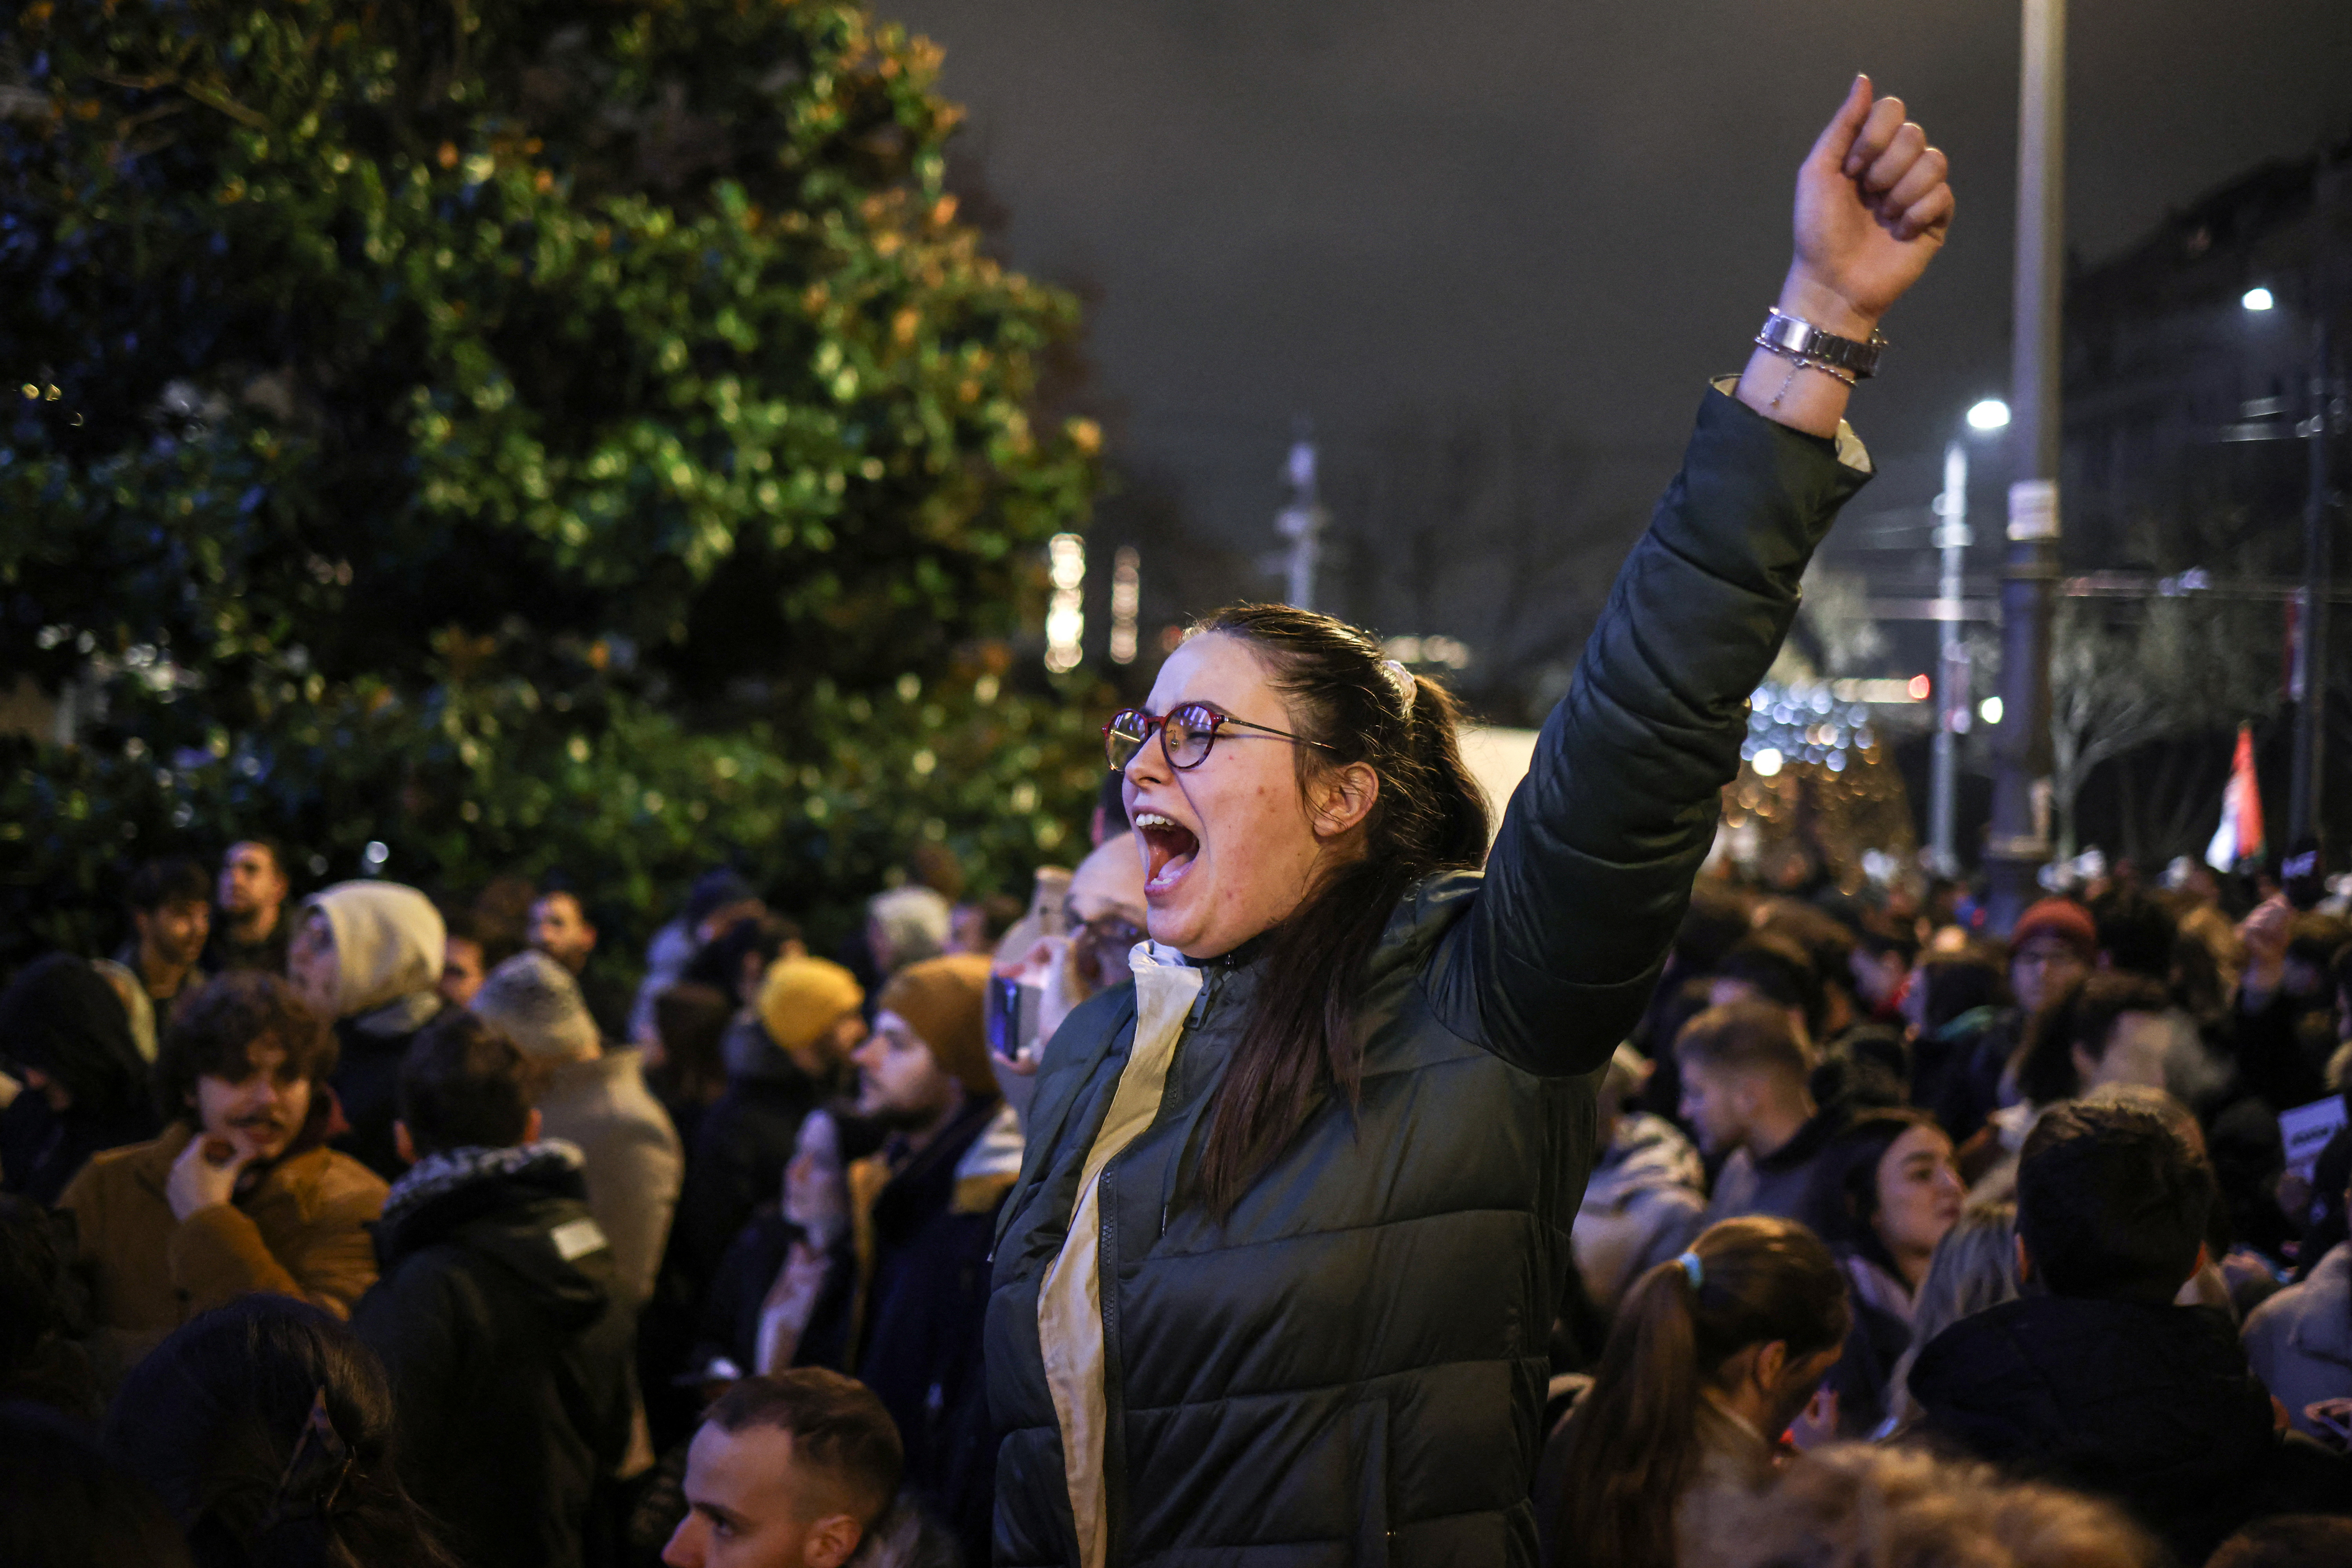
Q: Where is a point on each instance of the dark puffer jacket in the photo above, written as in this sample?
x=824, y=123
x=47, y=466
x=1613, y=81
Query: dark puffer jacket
x=2151, y=1405
x=1353, y=1369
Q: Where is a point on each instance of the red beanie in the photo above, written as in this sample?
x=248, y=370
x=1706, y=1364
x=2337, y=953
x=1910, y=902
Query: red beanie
x=2062, y=918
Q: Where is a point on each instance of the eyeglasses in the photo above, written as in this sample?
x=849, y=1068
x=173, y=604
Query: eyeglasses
x=1186, y=734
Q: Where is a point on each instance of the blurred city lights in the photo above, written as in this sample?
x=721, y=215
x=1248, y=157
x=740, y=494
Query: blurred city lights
x=1919, y=687
x=1066, y=611
x=1989, y=414
x=1126, y=598
x=1989, y=710
x=2257, y=300
x=1766, y=762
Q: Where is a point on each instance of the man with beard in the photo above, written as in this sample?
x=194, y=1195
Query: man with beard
x=171, y=916
x=251, y=930
x=241, y=1194
x=916, y=1251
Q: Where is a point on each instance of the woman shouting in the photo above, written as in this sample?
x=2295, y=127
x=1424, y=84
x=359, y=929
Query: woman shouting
x=1275, y=1285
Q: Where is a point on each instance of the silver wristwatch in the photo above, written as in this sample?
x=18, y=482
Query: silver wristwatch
x=1798, y=340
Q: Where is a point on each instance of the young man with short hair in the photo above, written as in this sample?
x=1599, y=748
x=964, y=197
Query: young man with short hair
x=1744, y=1071
x=595, y=1099
x=2100, y=1381
x=790, y=1471
x=251, y=895
x=171, y=917
x=496, y=1315
x=241, y=1194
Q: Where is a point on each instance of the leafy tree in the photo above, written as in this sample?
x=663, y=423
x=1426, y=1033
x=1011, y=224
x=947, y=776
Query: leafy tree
x=520, y=433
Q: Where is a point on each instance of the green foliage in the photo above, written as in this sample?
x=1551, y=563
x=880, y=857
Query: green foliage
x=521, y=432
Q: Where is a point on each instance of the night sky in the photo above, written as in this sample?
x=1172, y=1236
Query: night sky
x=1387, y=216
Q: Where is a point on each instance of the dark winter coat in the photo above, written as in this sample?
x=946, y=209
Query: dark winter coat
x=1352, y=1368
x=741, y=1148
x=2151, y=1405
x=60, y=1018
x=510, y=1358
x=368, y=1051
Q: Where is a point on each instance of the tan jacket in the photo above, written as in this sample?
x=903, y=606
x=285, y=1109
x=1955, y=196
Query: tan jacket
x=301, y=1231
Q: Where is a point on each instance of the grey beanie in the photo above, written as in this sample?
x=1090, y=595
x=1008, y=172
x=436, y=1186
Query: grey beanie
x=535, y=1002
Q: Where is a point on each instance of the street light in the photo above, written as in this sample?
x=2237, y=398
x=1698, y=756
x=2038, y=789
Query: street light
x=1953, y=538
x=2257, y=300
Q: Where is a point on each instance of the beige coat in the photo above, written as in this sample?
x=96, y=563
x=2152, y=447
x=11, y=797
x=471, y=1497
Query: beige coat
x=300, y=1231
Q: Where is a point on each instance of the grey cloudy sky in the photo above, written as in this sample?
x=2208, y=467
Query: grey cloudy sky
x=1382, y=212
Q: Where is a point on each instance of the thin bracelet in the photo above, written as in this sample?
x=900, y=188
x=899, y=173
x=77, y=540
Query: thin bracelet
x=1806, y=361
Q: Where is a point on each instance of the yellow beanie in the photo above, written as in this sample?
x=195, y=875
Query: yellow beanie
x=803, y=998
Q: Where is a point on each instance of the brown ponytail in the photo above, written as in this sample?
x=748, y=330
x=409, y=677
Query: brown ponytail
x=1634, y=1441
x=1300, y=1042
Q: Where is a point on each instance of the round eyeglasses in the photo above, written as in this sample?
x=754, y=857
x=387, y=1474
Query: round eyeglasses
x=1187, y=734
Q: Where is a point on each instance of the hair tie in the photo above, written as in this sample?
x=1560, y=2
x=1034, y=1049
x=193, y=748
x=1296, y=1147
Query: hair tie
x=1693, y=1269
x=315, y=1472
x=1406, y=687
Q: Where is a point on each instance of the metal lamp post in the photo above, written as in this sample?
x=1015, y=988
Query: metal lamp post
x=1953, y=538
x=2019, y=840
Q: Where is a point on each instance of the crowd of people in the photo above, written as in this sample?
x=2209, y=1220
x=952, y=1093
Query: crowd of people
x=629, y=1277
x=622, y=1262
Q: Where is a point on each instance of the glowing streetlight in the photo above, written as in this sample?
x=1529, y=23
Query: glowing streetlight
x=2257, y=300
x=1991, y=414
x=1989, y=710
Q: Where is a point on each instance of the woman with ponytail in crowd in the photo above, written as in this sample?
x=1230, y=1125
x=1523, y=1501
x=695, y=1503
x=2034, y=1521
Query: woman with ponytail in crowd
x=1712, y=1356
x=1275, y=1285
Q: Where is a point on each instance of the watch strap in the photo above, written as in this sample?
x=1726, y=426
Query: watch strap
x=1792, y=337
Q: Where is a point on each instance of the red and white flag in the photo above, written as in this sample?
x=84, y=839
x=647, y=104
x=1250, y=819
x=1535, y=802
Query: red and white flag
x=2240, y=836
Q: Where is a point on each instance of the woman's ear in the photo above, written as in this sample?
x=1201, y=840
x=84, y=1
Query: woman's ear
x=1342, y=798
x=1771, y=1362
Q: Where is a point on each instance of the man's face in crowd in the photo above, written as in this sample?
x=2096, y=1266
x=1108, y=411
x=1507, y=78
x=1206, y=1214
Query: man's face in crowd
x=1715, y=1105
x=2043, y=964
x=261, y=1111
x=250, y=880
x=174, y=932
x=750, y=1506
x=899, y=1084
x=461, y=971
x=559, y=929
x=311, y=967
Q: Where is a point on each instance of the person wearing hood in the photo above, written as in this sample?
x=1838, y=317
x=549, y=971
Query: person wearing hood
x=497, y=1315
x=65, y=1036
x=1647, y=1197
x=597, y=1100
x=368, y=957
x=2102, y=1382
x=241, y=1194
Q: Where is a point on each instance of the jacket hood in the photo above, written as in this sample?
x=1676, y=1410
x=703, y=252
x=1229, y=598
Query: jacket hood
x=389, y=943
x=2115, y=1395
x=524, y=1208
x=1648, y=1154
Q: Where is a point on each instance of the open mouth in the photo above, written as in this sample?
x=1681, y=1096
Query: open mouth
x=1169, y=850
